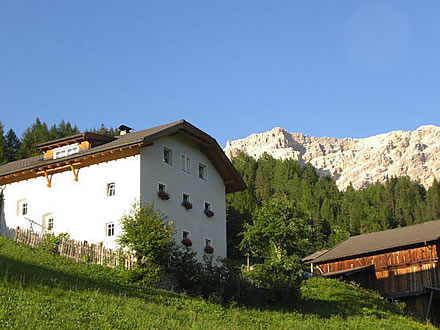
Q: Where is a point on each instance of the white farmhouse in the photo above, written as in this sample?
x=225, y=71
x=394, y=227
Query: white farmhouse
x=84, y=183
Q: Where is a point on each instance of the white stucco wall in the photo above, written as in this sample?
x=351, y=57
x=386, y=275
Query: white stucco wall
x=80, y=208
x=154, y=170
x=83, y=208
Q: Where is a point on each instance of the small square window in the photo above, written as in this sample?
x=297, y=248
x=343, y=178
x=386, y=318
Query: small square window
x=24, y=209
x=186, y=164
x=167, y=156
x=185, y=234
x=161, y=187
x=50, y=224
x=203, y=171
x=110, y=229
x=111, y=189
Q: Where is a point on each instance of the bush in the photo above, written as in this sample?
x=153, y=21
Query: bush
x=51, y=241
x=146, y=232
x=279, y=279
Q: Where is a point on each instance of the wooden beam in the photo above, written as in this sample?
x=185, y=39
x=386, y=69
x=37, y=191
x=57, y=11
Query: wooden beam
x=75, y=174
x=48, y=178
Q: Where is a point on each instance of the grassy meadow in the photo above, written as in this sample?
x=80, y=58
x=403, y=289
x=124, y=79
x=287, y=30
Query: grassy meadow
x=39, y=290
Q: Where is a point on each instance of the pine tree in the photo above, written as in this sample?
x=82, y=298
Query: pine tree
x=12, y=144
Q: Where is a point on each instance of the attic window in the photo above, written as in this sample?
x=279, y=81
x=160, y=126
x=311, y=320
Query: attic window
x=65, y=151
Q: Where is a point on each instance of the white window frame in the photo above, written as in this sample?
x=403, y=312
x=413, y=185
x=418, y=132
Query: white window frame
x=110, y=229
x=50, y=222
x=170, y=157
x=183, y=197
x=185, y=163
x=163, y=184
x=46, y=223
x=210, y=242
x=204, y=205
x=111, y=189
x=20, y=207
x=204, y=177
x=65, y=151
x=187, y=232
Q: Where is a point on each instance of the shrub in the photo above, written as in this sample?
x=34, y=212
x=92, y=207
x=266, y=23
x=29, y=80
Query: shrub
x=280, y=279
x=51, y=241
x=146, y=232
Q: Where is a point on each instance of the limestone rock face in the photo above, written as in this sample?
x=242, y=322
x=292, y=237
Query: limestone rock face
x=359, y=161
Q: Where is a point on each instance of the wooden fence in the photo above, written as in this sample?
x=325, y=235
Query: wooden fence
x=80, y=251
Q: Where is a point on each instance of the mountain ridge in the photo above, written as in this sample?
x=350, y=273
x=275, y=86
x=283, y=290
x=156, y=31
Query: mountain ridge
x=360, y=161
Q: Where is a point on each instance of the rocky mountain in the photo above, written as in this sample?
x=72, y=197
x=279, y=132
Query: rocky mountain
x=359, y=161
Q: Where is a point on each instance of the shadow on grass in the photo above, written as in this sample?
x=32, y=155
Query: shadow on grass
x=345, y=302
x=27, y=275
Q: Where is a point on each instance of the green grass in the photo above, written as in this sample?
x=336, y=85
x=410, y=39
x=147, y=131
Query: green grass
x=38, y=290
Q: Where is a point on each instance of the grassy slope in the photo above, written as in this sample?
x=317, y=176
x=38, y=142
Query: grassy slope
x=38, y=290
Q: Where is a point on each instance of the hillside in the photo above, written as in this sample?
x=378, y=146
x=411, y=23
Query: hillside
x=38, y=290
x=360, y=161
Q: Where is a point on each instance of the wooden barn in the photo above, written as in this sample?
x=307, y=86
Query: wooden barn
x=399, y=263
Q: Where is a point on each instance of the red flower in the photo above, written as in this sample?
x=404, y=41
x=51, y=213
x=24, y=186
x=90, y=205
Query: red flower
x=209, y=249
x=163, y=195
x=187, y=205
x=208, y=213
x=187, y=242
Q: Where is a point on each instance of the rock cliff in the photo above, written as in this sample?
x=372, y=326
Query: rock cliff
x=359, y=161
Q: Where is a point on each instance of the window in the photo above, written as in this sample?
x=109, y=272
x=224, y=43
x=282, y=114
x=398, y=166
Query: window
x=24, y=208
x=208, y=206
x=167, y=156
x=185, y=234
x=111, y=189
x=186, y=164
x=65, y=151
x=50, y=224
x=110, y=229
x=185, y=198
x=161, y=187
x=203, y=171
x=208, y=242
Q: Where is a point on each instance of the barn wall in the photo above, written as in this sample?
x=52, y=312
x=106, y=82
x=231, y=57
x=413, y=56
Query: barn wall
x=405, y=271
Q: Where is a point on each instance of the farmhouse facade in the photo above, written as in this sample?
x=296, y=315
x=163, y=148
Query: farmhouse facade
x=83, y=184
x=399, y=263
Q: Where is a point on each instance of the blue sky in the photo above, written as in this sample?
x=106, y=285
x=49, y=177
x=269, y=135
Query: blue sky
x=232, y=68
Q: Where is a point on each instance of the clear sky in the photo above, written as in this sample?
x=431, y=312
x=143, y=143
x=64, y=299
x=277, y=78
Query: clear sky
x=232, y=68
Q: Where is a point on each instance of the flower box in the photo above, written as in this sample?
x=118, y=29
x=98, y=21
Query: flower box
x=163, y=195
x=187, y=205
x=209, y=249
x=208, y=213
x=187, y=242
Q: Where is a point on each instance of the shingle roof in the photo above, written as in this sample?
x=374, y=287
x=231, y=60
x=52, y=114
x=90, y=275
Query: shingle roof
x=381, y=241
x=233, y=180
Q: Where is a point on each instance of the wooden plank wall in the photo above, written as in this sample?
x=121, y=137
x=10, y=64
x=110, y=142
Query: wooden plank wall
x=405, y=271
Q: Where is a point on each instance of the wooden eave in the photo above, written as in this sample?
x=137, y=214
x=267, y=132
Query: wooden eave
x=78, y=138
x=72, y=164
x=372, y=253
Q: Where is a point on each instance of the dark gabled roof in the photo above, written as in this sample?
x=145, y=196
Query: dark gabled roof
x=313, y=256
x=382, y=241
x=209, y=146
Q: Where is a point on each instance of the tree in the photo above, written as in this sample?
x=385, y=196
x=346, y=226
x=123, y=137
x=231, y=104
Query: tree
x=146, y=232
x=3, y=153
x=278, y=227
x=12, y=144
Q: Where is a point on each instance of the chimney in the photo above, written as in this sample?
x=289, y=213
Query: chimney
x=123, y=129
